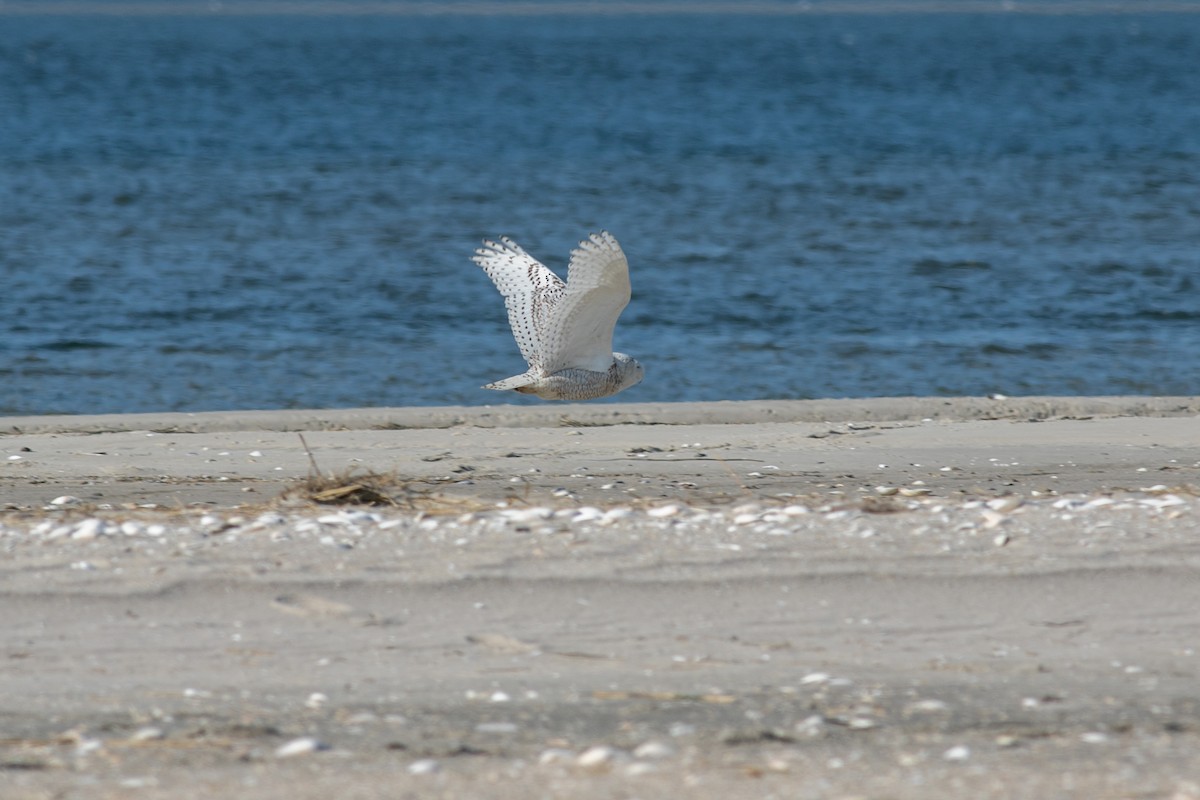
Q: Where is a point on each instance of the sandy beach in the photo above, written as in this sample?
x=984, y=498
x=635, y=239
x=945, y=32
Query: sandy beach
x=901, y=597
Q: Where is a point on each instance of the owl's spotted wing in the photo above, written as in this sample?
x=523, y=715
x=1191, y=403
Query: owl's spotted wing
x=530, y=293
x=580, y=325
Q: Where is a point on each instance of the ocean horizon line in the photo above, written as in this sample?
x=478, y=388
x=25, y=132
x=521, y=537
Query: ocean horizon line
x=217, y=8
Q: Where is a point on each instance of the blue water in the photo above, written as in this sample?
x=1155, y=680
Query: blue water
x=226, y=212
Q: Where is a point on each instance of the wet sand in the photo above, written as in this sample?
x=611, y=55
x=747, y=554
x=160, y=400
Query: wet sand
x=889, y=598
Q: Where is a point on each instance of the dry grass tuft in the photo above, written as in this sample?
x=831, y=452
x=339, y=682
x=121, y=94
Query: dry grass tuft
x=370, y=489
x=347, y=488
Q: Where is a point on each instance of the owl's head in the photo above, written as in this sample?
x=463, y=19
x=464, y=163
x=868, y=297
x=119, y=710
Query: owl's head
x=629, y=371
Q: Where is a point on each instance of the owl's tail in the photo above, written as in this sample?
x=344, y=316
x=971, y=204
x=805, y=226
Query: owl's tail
x=515, y=382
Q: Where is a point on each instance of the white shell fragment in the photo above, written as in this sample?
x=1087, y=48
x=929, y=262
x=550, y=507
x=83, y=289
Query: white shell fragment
x=1006, y=504
x=653, y=750
x=300, y=747
x=426, y=766
x=596, y=757
x=957, y=753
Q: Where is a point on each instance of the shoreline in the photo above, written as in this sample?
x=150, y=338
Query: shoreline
x=602, y=455
x=880, y=409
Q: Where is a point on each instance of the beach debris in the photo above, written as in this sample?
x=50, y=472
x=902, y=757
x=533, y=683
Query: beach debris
x=597, y=757
x=147, y=734
x=555, y=755
x=680, y=729
x=653, y=750
x=637, y=769
x=661, y=512
x=957, y=753
x=304, y=745
x=89, y=529
x=1006, y=504
x=992, y=519
x=927, y=706
x=426, y=766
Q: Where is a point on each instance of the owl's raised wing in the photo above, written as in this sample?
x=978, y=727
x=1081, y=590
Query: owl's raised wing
x=580, y=325
x=531, y=291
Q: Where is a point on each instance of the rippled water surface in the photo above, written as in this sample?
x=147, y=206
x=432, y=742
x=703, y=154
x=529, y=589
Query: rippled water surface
x=215, y=213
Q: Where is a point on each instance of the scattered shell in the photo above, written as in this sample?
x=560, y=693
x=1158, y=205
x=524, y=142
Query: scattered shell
x=957, y=753
x=927, y=706
x=300, y=747
x=149, y=733
x=653, y=750
x=86, y=746
x=663, y=511
x=426, y=766
x=615, y=515
x=993, y=519
x=639, y=768
x=596, y=757
x=813, y=725
x=678, y=729
x=88, y=529
x=66, y=500
x=555, y=755
x=1006, y=504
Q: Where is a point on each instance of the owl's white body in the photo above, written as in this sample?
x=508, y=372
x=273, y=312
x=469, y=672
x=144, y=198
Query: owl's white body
x=564, y=330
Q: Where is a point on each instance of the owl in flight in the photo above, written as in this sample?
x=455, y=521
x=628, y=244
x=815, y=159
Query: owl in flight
x=564, y=330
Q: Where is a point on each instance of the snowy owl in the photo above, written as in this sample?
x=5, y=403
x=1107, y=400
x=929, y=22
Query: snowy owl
x=564, y=330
